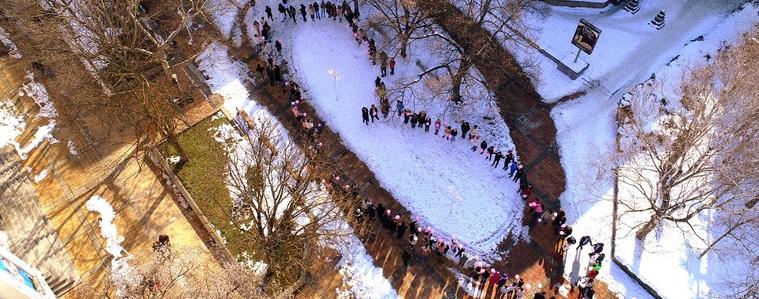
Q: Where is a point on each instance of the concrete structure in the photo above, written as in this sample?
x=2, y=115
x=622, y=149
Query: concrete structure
x=20, y=280
x=30, y=236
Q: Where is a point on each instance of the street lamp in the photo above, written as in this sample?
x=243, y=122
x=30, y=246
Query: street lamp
x=333, y=72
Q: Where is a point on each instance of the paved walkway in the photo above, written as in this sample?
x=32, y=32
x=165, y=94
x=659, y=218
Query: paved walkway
x=144, y=207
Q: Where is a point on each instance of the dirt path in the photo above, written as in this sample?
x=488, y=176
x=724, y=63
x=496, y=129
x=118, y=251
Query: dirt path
x=529, y=119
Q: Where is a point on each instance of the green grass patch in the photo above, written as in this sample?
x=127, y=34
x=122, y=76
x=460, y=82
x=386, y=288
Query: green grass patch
x=204, y=178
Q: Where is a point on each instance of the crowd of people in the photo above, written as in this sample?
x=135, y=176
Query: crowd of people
x=419, y=238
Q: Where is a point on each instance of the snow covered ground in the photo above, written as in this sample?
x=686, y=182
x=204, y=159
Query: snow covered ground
x=7, y=42
x=629, y=48
x=668, y=265
x=224, y=14
x=447, y=185
x=227, y=78
x=12, y=124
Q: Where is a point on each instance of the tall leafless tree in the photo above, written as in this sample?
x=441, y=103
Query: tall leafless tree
x=405, y=22
x=112, y=61
x=698, y=153
x=279, y=205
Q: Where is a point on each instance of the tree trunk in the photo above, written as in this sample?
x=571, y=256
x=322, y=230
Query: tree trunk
x=457, y=80
x=404, y=45
x=172, y=139
x=652, y=223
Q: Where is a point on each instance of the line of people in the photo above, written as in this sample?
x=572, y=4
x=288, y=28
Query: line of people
x=423, y=239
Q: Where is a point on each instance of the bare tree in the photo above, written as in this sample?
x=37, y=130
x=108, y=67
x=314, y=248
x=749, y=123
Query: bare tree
x=278, y=204
x=173, y=274
x=400, y=20
x=406, y=22
x=682, y=158
x=112, y=61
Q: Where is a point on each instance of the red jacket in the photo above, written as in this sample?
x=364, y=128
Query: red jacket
x=494, y=277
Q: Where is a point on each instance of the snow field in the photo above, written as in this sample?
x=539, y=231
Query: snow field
x=668, y=263
x=447, y=185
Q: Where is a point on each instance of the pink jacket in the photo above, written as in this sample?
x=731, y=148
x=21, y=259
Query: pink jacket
x=536, y=206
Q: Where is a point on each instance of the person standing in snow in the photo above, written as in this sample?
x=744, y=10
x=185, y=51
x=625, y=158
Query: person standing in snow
x=399, y=107
x=278, y=46
x=519, y=174
x=268, y=49
x=392, y=66
x=365, y=115
x=414, y=119
x=427, y=124
x=464, y=128
x=268, y=13
x=437, y=126
x=597, y=249
x=283, y=11
x=454, y=132
x=483, y=146
x=475, y=132
x=406, y=116
x=583, y=241
x=303, y=12
x=421, y=117
x=509, y=158
x=311, y=12
x=447, y=132
x=384, y=107
x=498, y=156
x=292, y=11
x=316, y=10
x=490, y=150
x=383, y=64
x=373, y=112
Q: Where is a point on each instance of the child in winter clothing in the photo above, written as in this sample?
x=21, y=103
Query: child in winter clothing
x=475, y=132
x=399, y=107
x=437, y=126
x=454, y=132
x=392, y=66
x=373, y=112
x=427, y=124
x=447, y=132
x=406, y=116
